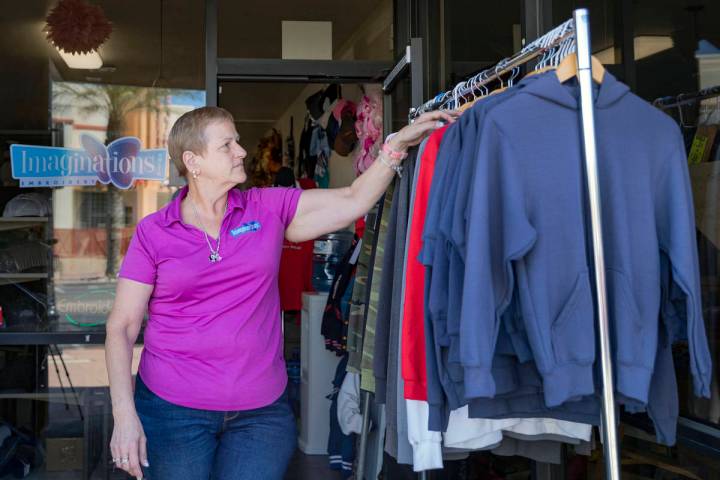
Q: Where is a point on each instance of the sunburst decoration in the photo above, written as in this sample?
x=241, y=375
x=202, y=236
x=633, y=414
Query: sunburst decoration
x=75, y=26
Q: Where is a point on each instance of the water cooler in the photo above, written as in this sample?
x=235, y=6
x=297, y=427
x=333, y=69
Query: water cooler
x=317, y=371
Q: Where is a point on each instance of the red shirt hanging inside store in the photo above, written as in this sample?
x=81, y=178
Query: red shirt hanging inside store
x=295, y=275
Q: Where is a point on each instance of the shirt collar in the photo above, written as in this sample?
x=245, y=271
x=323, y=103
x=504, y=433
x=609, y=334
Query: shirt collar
x=173, y=212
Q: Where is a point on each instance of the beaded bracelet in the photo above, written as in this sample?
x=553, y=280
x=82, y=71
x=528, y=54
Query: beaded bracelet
x=396, y=168
x=393, y=154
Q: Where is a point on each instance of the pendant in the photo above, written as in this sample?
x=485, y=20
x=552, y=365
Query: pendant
x=215, y=257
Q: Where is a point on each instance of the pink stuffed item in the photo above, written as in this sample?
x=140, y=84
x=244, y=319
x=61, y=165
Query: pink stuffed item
x=369, y=132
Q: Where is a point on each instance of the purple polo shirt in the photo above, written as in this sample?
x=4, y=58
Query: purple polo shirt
x=213, y=340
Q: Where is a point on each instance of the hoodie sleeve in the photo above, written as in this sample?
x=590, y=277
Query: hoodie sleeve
x=499, y=232
x=675, y=220
x=426, y=445
x=348, y=411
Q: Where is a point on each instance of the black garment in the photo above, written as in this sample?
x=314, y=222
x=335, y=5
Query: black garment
x=320, y=100
x=290, y=142
x=334, y=324
x=284, y=178
x=453, y=470
x=306, y=162
x=390, y=301
x=341, y=447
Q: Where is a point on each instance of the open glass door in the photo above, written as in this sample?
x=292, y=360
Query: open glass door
x=402, y=90
x=404, y=87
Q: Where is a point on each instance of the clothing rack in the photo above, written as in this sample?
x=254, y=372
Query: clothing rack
x=576, y=30
x=665, y=103
x=533, y=50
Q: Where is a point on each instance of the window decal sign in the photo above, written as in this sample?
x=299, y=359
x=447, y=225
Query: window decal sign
x=121, y=163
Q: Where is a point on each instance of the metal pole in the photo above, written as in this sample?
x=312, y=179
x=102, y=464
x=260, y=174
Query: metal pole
x=417, y=72
x=211, y=48
x=398, y=70
x=582, y=29
x=362, y=450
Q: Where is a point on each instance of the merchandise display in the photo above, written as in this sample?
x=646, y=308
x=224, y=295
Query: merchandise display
x=535, y=295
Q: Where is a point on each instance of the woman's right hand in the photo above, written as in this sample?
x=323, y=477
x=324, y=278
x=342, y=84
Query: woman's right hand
x=128, y=444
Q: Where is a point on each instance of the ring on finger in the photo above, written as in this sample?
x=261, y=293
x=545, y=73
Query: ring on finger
x=124, y=460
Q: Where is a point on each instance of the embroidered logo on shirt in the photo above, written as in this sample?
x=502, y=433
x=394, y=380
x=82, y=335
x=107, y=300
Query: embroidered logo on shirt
x=248, y=227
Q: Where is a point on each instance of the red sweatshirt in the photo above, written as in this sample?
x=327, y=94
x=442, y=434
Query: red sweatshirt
x=413, y=327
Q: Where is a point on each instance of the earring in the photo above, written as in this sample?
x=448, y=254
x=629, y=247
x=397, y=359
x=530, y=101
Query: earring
x=195, y=173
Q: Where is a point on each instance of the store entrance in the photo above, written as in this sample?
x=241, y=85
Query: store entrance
x=315, y=124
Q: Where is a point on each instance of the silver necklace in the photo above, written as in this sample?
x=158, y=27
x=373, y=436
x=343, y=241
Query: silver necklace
x=214, y=252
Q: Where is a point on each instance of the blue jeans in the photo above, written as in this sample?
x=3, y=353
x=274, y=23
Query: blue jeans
x=189, y=444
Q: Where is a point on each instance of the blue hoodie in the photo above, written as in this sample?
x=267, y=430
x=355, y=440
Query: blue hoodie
x=452, y=179
x=439, y=382
x=520, y=392
x=451, y=182
x=529, y=211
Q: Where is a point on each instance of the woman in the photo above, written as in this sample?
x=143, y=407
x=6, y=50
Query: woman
x=208, y=401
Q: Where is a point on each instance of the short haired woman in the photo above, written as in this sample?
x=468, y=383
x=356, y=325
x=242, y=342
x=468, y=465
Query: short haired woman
x=209, y=401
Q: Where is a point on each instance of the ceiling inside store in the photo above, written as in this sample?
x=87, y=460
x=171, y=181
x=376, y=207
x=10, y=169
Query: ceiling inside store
x=246, y=29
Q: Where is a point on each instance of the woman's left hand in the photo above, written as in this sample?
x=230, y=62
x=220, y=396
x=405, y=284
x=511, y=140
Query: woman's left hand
x=423, y=126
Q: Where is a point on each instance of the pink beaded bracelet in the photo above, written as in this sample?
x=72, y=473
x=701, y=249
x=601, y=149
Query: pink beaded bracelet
x=393, y=154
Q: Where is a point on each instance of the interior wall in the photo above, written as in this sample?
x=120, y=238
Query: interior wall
x=253, y=29
x=372, y=40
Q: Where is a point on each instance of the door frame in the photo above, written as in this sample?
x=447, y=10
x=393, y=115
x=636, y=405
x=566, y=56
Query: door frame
x=300, y=71
x=222, y=69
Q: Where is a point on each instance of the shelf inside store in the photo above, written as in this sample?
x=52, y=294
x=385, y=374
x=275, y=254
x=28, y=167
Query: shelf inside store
x=55, y=332
x=15, y=223
x=10, y=278
x=74, y=429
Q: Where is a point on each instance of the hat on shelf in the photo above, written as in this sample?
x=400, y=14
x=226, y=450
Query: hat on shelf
x=31, y=204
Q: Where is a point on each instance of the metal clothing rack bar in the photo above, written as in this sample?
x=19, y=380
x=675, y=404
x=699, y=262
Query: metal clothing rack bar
x=362, y=450
x=687, y=98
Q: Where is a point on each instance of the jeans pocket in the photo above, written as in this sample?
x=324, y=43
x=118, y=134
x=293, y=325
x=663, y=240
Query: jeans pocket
x=573, y=331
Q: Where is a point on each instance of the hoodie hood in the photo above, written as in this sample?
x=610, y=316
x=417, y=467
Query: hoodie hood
x=567, y=94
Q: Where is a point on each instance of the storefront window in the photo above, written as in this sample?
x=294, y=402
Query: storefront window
x=668, y=34
x=63, y=236
x=476, y=37
x=93, y=224
x=677, y=52
x=602, y=25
